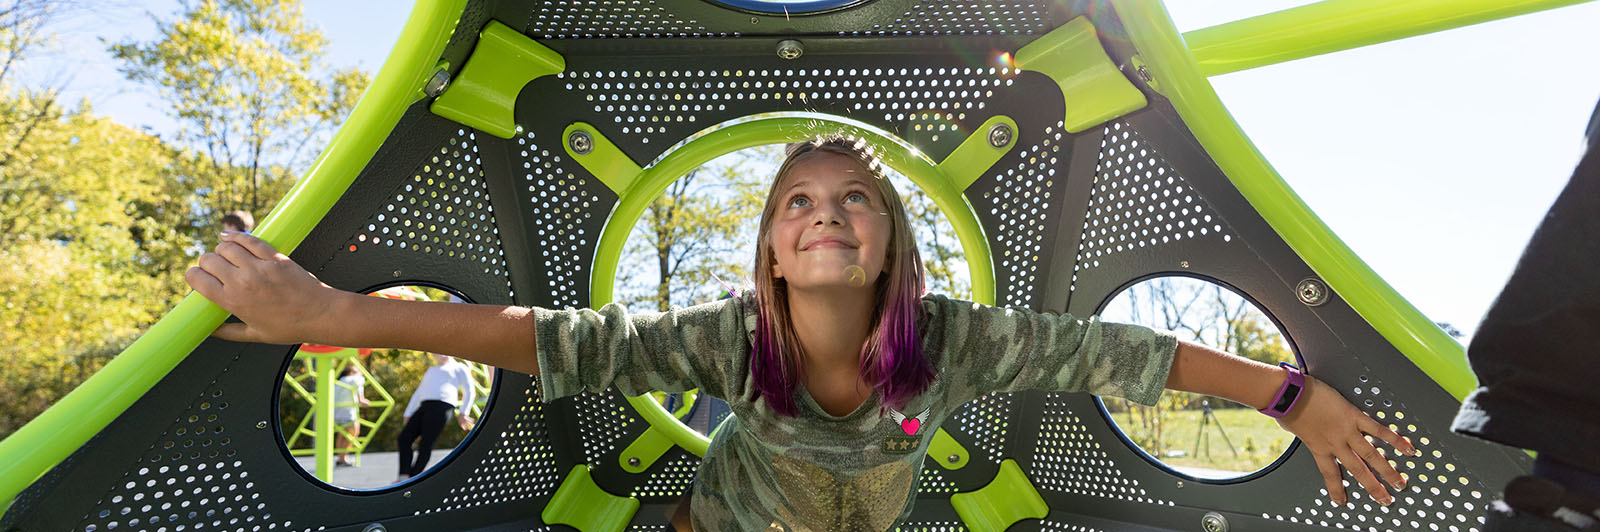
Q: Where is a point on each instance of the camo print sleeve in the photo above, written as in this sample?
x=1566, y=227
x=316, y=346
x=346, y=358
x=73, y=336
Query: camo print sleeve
x=588, y=351
x=989, y=349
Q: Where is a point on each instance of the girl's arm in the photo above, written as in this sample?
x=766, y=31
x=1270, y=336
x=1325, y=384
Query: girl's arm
x=1332, y=428
x=281, y=303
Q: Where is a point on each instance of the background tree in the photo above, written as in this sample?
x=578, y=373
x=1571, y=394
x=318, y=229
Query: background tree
x=248, y=89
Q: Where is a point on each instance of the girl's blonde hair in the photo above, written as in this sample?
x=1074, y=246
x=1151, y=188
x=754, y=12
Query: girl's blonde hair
x=892, y=358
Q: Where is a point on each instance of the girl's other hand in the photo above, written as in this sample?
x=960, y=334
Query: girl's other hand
x=1332, y=430
x=278, y=301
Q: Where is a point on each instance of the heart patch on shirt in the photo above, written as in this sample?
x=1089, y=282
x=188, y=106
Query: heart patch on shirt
x=910, y=424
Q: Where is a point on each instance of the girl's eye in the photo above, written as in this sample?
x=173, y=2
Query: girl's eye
x=855, y=197
x=799, y=201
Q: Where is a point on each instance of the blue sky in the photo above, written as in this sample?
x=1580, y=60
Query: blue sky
x=1433, y=157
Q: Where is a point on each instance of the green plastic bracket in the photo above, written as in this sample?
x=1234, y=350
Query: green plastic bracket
x=1009, y=498
x=943, y=448
x=603, y=159
x=484, y=94
x=1093, y=88
x=581, y=504
x=976, y=154
x=645, y=450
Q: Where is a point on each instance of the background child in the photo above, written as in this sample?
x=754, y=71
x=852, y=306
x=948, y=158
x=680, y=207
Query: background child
x=837, y=367
x=349, y=395
x=446, y=386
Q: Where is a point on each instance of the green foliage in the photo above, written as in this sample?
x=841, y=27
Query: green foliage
x=247, y=86
x=1257, y=439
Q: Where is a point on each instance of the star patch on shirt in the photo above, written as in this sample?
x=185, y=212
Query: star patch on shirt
x=912, y=426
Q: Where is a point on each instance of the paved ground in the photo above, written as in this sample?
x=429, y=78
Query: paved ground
x=375, y=470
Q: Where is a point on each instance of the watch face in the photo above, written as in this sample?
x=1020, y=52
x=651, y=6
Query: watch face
x=1290, y=392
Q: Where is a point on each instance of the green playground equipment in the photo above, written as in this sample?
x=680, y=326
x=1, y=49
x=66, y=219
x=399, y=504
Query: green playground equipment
x=322, y=370
x=507, y=147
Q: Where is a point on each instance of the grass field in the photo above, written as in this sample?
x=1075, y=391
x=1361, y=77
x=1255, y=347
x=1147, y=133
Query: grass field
x=1256, y=438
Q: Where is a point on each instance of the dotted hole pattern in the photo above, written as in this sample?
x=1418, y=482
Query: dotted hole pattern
x=932, y=526
x=442, y=210
x=987, y=419
x=1067, y=459
x=1052, y=526
x=675, y=480
x=933, y=480
x=1140, y=201
x=1440, y=495
x=601, y=19
x=561, y=204
x=1019, y=201
x=650, y=103
x=521, y=466
x=946, y=17
x=189, y=480
x=602, y=418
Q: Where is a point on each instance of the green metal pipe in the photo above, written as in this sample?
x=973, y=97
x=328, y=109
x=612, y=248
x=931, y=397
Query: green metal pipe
x=1438, y=355
x=67, y=425
x=1336, y=25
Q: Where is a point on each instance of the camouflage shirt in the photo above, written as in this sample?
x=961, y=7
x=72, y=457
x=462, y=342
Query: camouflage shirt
x=820, y=472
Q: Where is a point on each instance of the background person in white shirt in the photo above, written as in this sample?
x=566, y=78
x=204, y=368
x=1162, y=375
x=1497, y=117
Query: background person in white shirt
x=445, y=387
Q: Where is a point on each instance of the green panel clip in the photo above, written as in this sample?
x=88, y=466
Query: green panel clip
x=949, y=453
x=644, y=452
x=484, y=94
x=980, y=151
x=600, y=157
x=1009, y=498
x=581, y=504
x=1093, y=88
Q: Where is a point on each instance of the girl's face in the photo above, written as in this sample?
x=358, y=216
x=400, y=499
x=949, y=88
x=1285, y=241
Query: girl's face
x=830, y=229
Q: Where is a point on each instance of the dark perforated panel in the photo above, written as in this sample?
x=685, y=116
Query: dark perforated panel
x=932, y=526
x=672, y=481
x=602, y=419
x=933, y=481
x=1140, y=201
x=987, y=420
x=1068, y=459
x=611, y=19
x=561, y=205
x=1018, y=202
x=961, y=17
x=521, y=466
x=190, y=479
x=635, y=19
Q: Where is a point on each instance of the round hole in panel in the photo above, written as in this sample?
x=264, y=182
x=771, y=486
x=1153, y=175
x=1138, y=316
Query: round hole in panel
x=395, y=414
x=787, y=7
x=1192, y=435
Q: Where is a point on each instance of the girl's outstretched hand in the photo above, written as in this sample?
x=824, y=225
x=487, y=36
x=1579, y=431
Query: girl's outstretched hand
x=279, y=302
x=1332, y=430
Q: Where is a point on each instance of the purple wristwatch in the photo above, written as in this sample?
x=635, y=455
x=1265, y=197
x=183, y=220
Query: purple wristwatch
x=1288, y=394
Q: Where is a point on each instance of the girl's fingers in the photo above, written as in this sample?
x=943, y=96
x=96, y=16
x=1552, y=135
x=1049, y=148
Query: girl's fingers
x=217, y=266
x=1330, y=477
x=202, y=282
x=1365, y=477
x=258, y=247
x=1378, y=462
x=233, y=332
x=1400, y=443
x=235, y=253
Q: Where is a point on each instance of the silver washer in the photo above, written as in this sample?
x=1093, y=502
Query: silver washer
x=790, y=49
x=1313, y=292
x=581, y=142
x=1214, y=522
x=1000, y=135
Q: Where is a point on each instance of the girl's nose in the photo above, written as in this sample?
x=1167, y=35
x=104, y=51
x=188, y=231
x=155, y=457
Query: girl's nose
x=827, y=214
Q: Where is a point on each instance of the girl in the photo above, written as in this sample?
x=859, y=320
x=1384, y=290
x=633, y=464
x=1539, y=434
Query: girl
x=837, y=367
x=349, y=395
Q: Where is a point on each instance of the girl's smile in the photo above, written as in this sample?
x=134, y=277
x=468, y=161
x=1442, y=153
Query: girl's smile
x=830, y=217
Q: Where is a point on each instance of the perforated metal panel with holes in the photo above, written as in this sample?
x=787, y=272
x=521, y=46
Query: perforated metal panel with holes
x=1070, y=219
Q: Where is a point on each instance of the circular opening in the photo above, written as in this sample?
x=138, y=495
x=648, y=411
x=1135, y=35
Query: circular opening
x=379, y=400
x=697, y=242
x=1193, y=435
x=787, y=7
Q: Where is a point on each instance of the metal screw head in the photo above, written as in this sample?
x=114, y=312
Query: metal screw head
x=633, y=461
x=261, y=425
x=790, y=49
x=375, y=527
x=437, y=84
x=1183, y=264
x=1180, y=484
x=1214, y=522
x=580, y=142
x=395, y=273
x=754, y=20
x=1000, y=135
x=1312, y=292
x=407, y=494
x=954, y=458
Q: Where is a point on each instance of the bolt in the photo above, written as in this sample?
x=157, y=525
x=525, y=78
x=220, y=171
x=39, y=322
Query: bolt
x=1214, y=522
x=1144, y=74
x=1180, y=484
x=395, y=273
x=375, y=527
x=1183, y=264
x=1312, y=292
x=1000, y=135
x=633, y=461
x=954, y=458
x=407, y=494
x=790, y=49
x=437, y=84
x=754, y=20
x=261, y=425
x=580, y=142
